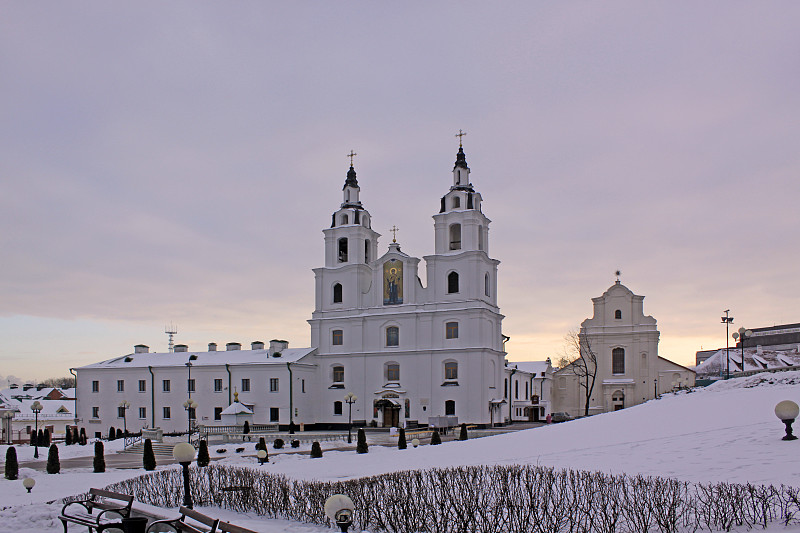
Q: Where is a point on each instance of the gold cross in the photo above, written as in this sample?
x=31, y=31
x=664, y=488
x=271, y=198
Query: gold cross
x=394, y=231
x=460, y=134
x=618, y=273
x=351, y=155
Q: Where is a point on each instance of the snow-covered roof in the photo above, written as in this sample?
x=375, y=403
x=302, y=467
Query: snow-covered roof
x=237, y=408
x=753, y=360
x=179, y=359
x=50, y=408
x=533, y=367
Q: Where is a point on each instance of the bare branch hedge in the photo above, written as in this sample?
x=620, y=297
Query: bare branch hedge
x=484, y=499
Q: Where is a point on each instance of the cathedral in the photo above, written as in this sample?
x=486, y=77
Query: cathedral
x=410, y=354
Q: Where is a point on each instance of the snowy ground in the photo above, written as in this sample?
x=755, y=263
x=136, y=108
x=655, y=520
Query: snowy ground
x=726, y=432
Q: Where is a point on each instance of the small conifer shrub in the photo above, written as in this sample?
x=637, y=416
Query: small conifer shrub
x=112, y=433
x=261, y=444
x=12, y=465
x=34, y=439
x=435, y=438
x=401, y=441
x=203, y=458
x=68, y=437
x=83, y=440
x=46, y=434
x=295, y=443
x=316, y=450
x=361, y=444
x=120, y=435
x=53, y=464
x=148, y=456
x=278, y=444
x=463, y=435
x=99, y=462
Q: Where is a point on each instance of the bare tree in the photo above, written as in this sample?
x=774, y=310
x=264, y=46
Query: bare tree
x=582, y=360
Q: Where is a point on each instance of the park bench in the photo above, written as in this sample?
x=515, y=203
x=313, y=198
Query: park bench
x=190, y=521
x=112, y=507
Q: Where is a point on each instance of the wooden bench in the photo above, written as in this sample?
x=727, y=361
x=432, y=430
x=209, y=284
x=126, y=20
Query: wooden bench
x=205, y=524
x=109, y=503
x=227, y=527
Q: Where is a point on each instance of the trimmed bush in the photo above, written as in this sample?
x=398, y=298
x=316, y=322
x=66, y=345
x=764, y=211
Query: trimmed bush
x=12, y=465
x=361, y=444
x=53, y=464
x=463, y=435
x=203, y=458
x=68, y=437
x=261, y=444
x=112, y=433
x=148, y=456
x=46, y=435
x=316, y=450
x=278, y=444
x=435, y=438
x=99, y=462
x=34, y=439
x=240, y=450
x=401, y=440
x=40, y=438
x=120, y=435
x=295, y=443
x=82, y=439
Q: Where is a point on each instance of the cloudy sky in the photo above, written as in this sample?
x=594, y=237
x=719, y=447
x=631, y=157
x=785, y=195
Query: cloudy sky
x=176, y=162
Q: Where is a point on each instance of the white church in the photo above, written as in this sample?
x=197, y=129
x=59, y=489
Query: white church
x=409, y=353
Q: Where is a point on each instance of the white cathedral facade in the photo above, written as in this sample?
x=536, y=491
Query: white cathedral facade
x=410, y=353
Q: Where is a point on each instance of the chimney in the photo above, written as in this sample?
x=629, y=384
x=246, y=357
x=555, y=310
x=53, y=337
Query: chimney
x=232, y=346
x=141, y=348
x=277, y=346
x=256, y=345
x=27, y=386
x=212, y=346
x=181, y=348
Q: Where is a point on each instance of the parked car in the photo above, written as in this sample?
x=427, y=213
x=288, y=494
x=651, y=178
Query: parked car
x=560, y=417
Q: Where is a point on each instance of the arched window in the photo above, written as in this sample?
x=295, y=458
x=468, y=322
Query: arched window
x=392, y=372
x=451, y=330
x=516, y=390
x=392, y=336
x=526, y=390
x=450, y=408
x=456, y=202
x=347, y=196
x=452, y=282
x=366, y=251
x=337, y=408
x=343, y=250
x=337, y=293
x=455, y=236
x=618, y=314
x=345, y=220
x=451, y=370
x=338, y=374
x=486, y=287
x=618, y=361
x=505, y=389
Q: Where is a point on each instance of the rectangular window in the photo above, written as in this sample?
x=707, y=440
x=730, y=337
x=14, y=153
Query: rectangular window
x=95, y=386
x=142, y=385
x=303, y=385
x=165, y=385
x=143, y=412
x=338, y=337
x=451, y=330
x=120, y=412
x=217, y=385
x=337, y=408
x=393, y=372
x=246, y=385
x=120, y=385
x=451, y=370
x=167, y=413
x=274, y=414
x=338, y=374
x=218, y=413
x=273, y=384
x=392, y=336
x=95, y=412
x=190, y=385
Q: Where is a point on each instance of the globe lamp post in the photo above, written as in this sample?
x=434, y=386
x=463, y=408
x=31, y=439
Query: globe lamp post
x=787, y=411
x=191, y=409
x=262, y=456
x=36, y=407
x=125, y=405
x=7, y=417
x=28, y=483
x=727, y=320
x=350, y=398
x=184, y=454
x=339, y=508
x=742, y=335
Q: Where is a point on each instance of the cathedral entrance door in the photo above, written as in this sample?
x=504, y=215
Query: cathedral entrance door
x=391, y=416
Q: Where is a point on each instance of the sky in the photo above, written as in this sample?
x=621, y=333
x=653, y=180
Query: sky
x=176, y=163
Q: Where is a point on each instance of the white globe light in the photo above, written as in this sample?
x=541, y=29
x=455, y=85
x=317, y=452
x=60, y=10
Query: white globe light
x=28, y=483
x=261, y=454
x=415, y=443
x=787, y=410
x=337, y=503
x=183, y=452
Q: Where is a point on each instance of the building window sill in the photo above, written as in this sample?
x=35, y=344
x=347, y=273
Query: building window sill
x=337, y=386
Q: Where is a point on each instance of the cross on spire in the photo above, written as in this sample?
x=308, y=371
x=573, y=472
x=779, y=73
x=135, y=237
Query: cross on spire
x=351, y=155
x=460, y=134
x=618, y=273
x=394, y=231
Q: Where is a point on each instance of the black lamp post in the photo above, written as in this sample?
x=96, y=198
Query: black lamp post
x=787, y=411
x=741, y=336
x=125, y=405
x=350, y=398
x=184, y=454
x=191, y=409
x=8, y=416
x=727, y=320
x=339, y=508
x=36, y=407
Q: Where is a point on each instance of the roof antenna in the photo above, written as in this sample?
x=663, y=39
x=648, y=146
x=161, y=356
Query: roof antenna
x=171, y=330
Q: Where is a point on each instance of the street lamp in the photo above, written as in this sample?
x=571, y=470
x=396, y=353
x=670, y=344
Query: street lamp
x=742, y=335
x=36, y=407
x=787, y=411
x=350, y=398
x=184, y=454
x=262, y=456
x=339, y=508
x=7, y=417
x=727, y=320
x=190, y=406
x=125, y=405
x=28, y=483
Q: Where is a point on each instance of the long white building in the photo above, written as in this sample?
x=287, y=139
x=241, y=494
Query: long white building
x=409, y=352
